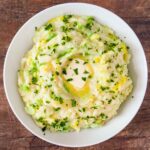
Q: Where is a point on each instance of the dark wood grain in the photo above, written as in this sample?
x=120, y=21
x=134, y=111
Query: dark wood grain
x=13, y=13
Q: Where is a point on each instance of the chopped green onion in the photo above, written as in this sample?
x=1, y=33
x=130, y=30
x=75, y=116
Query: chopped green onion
x=86, y=72
x=57, y=109
x=70, y=79
x=84, y=78
x=74, y=103
x=34, y=80
x=64, y=71
x=48, y=27
x=76, y=71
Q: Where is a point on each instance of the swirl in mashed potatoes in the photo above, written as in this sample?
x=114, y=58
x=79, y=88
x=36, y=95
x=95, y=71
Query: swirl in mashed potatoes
x=75, y=76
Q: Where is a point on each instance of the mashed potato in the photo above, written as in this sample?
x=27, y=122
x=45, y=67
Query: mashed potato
x=75, y=76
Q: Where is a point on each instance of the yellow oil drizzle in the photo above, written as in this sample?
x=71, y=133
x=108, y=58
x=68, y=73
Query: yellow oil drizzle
x=120, y=83
x=79, y=92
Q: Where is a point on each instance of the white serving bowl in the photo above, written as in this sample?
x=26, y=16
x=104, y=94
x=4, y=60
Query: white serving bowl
x=22, y=42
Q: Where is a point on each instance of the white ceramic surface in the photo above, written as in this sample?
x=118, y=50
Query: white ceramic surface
x=22, y=42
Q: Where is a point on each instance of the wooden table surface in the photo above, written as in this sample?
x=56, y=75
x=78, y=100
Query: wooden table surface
x=13, y=14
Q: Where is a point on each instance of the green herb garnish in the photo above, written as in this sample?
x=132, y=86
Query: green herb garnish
x=95, y=107
x=64, y=71
x=36, y=91
x=44, y=128
x=85, y=62
x=57, y=73
x=66, y=38
x=110, y=80
x=109, y=101
x=57, y=109
x=77, y=62
x=103, y=116
x=75, y=23
x=66, y=18
x=86, y=72
x=74, y=103
x=34, y=80
x=70, y=79
x=60, y=124
x=47, y=101
x=83, y=109
x=48, y=27
x=76, y=71
x=64, y=29
x=56, y=98
x=103, y=88
x=84, y=78
x=55, y=45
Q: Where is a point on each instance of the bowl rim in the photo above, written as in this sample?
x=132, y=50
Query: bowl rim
x=6, y=59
